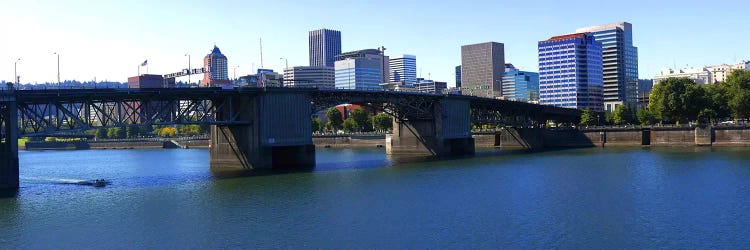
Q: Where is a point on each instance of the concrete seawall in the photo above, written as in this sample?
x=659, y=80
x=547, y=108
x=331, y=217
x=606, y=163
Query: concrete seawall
x=533, y=138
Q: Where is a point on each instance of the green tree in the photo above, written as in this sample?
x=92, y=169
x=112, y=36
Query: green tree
x=334, y=118
x=112, y=133
x=623, y=114
x=737, y=88
x=361, y=119
x=101, y=133
x=717, y=98
x=350, y=125
x=645, y=117
x=588, y=118
x=315, y=124
x=382, y=122
x=132, y=132
x=677, y=100
x=121, y=133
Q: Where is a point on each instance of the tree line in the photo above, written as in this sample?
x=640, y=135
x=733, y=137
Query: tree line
x=154, y=130
x=359, y=120
x=681, y=101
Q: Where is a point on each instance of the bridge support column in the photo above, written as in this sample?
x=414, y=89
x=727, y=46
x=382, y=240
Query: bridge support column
x=278, y=136
x=447, y=134
x=8, y=146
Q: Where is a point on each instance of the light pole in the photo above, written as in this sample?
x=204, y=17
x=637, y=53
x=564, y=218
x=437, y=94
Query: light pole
x=235, y=72
x=58, y=69
x=15, y=71
x=286, y=63
x=188, y=55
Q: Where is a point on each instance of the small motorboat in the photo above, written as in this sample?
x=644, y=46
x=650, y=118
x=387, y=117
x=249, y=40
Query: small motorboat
x=99, y=183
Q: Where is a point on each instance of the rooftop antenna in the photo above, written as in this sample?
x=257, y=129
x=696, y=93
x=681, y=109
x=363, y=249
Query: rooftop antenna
x=261, y=52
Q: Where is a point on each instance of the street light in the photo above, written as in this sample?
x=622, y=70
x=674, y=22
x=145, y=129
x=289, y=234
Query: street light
x=15, y=71
x=188, y=55
x=286, y=63
x=235, y=72
x=58, y=69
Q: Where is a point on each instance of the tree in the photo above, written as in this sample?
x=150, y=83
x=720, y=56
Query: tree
x=717, y=98
x=121, y=133
x=382, y=122
x=101, y=133
x=645, y=117
x=737, y=88
x=677, y=100
x=167, y=132
x=132, y=132
x=623, y=114
x=588, y=118
x=315, y=124
x=350, y=125
x=334, y=118
x=112, y=133
x=361, y=119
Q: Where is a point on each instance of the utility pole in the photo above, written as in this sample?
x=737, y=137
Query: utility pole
x=15, y=71
x=286, y=63
x=188, y=55
x=58, y=69
x=260, y=40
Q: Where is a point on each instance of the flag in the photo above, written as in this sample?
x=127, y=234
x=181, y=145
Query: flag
x=144, y=63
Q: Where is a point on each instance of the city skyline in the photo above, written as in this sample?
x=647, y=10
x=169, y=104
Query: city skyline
x=111, y=48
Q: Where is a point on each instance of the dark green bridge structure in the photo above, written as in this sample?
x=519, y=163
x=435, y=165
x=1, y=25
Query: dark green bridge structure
x=259, y=128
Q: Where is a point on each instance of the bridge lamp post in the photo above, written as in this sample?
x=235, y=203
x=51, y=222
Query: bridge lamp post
x=188, y=55
x=58, y=69
x=15, y=70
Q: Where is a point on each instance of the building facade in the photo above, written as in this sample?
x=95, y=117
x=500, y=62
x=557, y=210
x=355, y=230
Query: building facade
x=430, y=86
x=570, y=72
x=310, y=77
x=458, y=76
x=403, y=70
x=325, y=45
x=619, y=62
x=700, y=75
x=482, y=69
x=362, y=69
x=520, y=85
x=217, y=69
x=721, y=72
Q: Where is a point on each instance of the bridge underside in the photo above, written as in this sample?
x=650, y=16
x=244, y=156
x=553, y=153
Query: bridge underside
x=8, y=146
x=279, y=135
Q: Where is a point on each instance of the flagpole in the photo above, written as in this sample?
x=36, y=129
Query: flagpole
x=139, y=70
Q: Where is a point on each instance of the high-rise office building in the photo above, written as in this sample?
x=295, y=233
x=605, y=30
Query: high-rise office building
x=570, y=72
x=430, y=86
x=458, y=76
x=218, y=71
x=619, y=61
x=482, y=69
x=403, y=70
x=309, y=77
x=520, y=85
x=325, y=45
x=362, y=69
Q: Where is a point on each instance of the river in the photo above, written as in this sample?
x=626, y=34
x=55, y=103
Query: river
x=682, y=197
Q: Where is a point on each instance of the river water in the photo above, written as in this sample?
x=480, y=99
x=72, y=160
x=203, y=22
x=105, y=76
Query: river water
x=581, y=198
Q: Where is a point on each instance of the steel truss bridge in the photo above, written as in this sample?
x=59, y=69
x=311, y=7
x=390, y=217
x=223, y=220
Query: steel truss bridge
x=48, y=112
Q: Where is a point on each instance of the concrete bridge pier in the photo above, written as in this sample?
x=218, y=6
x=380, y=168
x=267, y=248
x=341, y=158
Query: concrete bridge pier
x=278, y=135
x=447, y=134
x=8, y=146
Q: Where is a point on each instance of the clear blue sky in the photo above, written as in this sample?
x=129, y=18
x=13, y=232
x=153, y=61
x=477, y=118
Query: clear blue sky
x=108, y=39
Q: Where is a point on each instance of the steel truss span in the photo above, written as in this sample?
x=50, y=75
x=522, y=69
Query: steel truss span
x=49, y=112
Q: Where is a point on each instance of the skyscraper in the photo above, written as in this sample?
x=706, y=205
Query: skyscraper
x=218, y=71
x=325, y=45
x=520, y=85
x=309, y=77
x=570, y=72
x=482, y=69
x=620, y=62
x=458, y=77
x=361, y=69
x=403, y=70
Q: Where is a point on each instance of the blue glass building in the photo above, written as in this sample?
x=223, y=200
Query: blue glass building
x=619, y=61
x=520, y=85
x=325, y=45
x=362, y=69
x=570, y=72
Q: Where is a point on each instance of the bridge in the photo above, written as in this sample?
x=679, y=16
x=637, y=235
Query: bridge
x=255, y=128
